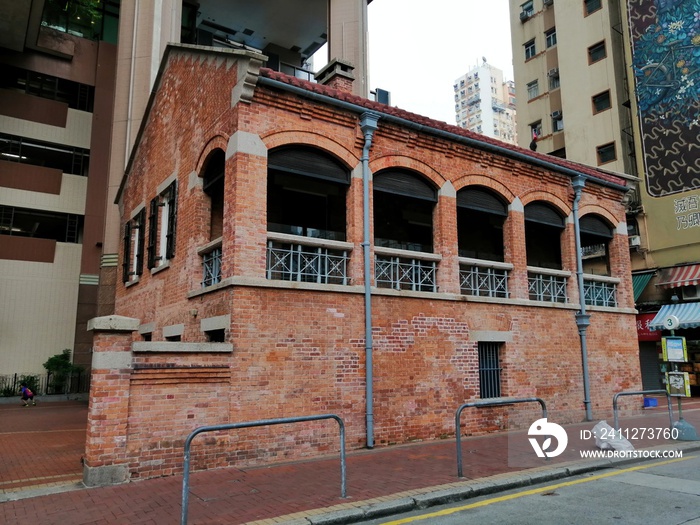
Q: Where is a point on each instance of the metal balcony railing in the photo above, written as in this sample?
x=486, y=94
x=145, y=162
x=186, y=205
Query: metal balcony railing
x=484, y=278
x=411, y=272
x=547, y=285
x=600, y=291
x=307, y=262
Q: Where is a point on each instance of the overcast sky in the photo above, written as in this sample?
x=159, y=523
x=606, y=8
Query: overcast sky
x=417, y=48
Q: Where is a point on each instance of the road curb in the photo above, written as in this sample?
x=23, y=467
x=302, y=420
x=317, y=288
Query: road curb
x=468, y=489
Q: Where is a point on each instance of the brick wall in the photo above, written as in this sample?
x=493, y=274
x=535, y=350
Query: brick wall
x=299, y=349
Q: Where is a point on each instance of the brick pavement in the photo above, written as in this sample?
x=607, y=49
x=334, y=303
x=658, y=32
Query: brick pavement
x=41, y=449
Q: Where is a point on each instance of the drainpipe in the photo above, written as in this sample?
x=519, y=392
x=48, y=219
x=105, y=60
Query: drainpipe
x=583, y=320
x=368, y=125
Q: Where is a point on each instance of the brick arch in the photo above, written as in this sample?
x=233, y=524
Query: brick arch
x=216, y=142
x=543, y=196
x=401, y=161
x=485, y=181
x=595, y=209
x=305, y=138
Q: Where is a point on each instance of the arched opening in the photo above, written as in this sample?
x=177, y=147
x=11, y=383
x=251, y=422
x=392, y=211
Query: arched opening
x=480, y=218
x=306, y=193
x=543, y=228
x=403, y=211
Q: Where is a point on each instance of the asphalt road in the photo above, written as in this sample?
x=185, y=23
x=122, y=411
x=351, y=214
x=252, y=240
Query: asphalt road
x=649, y=493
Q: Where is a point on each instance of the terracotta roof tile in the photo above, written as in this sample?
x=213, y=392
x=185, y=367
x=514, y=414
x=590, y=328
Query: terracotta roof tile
x=438, y=125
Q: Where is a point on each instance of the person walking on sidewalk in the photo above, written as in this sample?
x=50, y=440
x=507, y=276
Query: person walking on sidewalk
x=27, y=395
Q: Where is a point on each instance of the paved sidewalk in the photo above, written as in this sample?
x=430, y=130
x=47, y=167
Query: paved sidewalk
x=40, y=474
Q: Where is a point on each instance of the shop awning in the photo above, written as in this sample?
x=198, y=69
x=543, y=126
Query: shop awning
x=639, y=282
x=687, y=313
x=679, y=276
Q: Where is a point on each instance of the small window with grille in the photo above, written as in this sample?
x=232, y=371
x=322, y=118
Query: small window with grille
x=489, y=370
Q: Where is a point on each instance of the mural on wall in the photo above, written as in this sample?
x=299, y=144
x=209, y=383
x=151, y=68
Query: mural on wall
x=666, y=61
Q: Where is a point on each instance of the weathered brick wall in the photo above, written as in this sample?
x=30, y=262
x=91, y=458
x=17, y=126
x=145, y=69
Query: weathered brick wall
x=300, y=349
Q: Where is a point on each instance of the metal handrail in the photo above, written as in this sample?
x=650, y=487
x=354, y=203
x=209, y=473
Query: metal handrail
x=496, y=401
x=642, y=392
x=258, y=423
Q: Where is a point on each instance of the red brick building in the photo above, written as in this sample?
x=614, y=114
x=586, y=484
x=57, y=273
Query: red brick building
x=244, y=269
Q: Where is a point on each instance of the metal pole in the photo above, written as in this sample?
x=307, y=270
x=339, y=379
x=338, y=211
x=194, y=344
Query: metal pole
x=249, y=424
x=583, y=320
x=368, y=125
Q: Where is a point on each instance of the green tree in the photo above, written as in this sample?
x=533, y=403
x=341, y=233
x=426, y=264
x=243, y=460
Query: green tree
x=60, y=368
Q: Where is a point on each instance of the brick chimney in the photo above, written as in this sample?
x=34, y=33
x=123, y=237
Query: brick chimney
x=337, y=74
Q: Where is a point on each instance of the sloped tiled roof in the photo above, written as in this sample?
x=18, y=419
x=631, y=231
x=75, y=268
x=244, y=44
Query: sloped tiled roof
x=371, y=105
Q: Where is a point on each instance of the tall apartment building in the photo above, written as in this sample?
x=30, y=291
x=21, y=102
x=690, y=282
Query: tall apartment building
x=71, y=103
x=614, y=85
x=485, y=103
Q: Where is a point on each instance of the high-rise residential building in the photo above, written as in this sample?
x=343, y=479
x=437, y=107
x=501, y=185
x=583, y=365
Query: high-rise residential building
x=614, y=85
x=485, y=103
x=76, y=79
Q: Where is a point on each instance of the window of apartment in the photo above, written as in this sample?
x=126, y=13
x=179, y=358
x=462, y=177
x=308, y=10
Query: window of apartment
x=533, y=89
x=25, y=222
x=606, y=153
x=480, y=218
x=553, y=78
x=536, y=129
x=596, y=52
x=489, y=370
x=134, y=241
x=91, y=20
x=68, y=159
x=76, y=95
x=530, y=50
x=591, y=6
x=162, y=218
x=527, y=10
x=601, y=102
x=550, y=37
x=557, y=121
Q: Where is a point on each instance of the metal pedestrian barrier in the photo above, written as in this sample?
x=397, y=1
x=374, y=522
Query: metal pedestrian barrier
x=258, y=423
x=616, y=425
x=496, y=401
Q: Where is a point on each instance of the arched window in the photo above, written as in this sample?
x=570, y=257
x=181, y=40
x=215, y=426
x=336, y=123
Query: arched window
x=596, y=235
x=480, y=218
x=403, y=210
x=213, y=186
x=306, y=190
x=543, y=228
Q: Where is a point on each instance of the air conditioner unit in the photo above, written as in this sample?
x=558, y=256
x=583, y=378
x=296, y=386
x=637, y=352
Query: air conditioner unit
x=634, y=240
x=524, y=15
x=556, y=114
x=553, y=72
x=547, y=2
x=690, y=292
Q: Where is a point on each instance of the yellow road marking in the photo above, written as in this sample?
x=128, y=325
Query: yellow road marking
x=530, y=492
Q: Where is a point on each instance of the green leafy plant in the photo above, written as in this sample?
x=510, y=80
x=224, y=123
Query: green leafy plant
x=60, y=369
x=32, y=383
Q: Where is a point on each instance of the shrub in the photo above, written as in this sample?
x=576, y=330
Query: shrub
x=60, y=369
